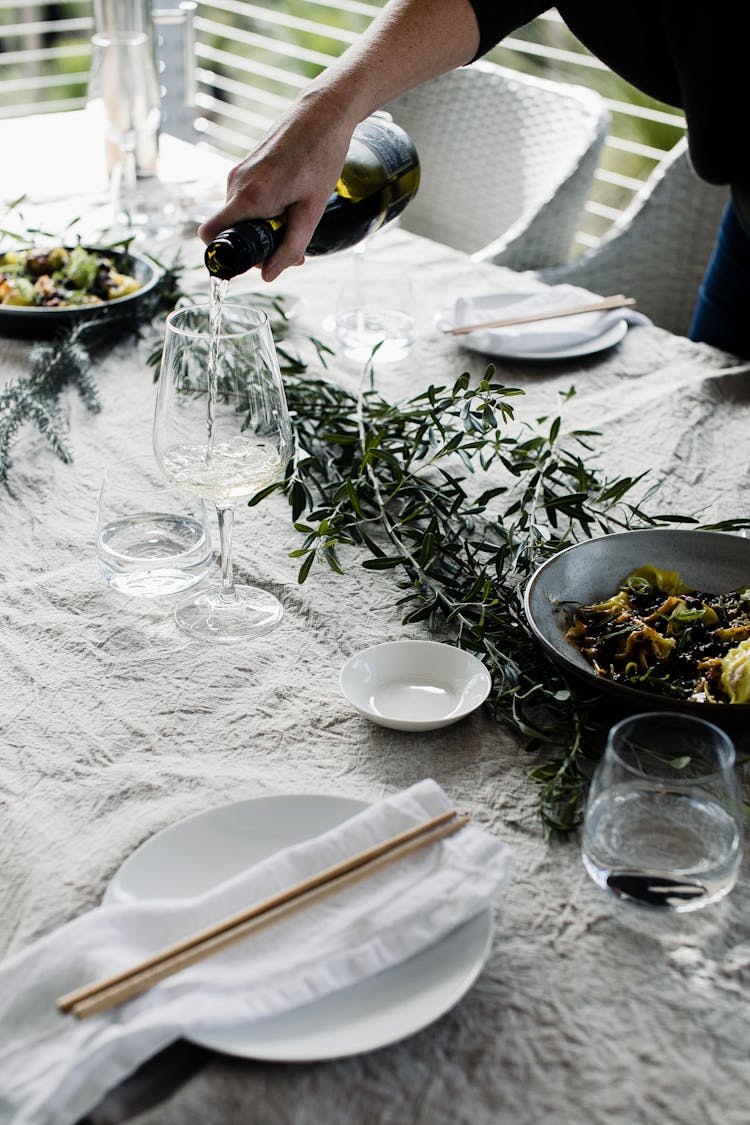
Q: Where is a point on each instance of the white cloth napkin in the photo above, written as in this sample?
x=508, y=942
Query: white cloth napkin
x=55, y=1068
x=537, y=336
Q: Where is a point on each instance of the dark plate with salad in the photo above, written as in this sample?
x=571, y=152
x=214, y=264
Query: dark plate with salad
x=45, y=289
x=657, y=619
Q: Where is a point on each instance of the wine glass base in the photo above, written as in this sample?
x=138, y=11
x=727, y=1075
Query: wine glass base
x=210, y=616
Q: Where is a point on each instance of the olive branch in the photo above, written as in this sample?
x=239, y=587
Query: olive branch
x=445, y=489
x=462, y=502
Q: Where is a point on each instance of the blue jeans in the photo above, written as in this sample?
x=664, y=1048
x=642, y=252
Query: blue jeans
x=722, y=314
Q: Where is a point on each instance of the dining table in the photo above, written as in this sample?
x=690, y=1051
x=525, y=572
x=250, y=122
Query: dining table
x=117, y=726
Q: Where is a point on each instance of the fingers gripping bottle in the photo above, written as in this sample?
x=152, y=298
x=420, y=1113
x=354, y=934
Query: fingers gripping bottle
x=379, y=178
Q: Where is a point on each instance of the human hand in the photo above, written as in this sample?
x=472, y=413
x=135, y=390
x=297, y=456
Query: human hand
x=293, y=171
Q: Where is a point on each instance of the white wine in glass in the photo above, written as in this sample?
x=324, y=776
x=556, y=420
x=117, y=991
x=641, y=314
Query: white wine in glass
x=222, y=430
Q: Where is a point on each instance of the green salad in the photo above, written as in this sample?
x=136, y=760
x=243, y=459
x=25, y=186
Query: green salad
x=59, y=277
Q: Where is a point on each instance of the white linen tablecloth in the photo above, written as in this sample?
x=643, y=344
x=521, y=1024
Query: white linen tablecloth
x=115, y=725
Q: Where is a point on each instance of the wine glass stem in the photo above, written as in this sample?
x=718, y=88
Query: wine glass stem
x=226, y=525
x=124, y=180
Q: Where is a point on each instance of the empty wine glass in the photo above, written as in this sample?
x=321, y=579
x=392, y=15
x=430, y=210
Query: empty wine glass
x=375, y=309
x=222, y=430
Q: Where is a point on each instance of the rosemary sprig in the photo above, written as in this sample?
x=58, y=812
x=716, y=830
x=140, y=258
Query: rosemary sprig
x=67, y=361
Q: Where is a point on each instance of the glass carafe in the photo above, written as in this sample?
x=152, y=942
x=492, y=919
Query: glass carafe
x=124, y=100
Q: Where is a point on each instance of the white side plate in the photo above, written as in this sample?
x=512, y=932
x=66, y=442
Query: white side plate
x=196, y=853
x=487, y=342
x=608, y=339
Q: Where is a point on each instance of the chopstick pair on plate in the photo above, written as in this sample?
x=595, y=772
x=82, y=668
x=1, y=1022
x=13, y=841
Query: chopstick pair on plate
x=107, y=993
x=617, y=302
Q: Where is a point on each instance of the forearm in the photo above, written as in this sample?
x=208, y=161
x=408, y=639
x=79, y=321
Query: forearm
x=410, y=42
x=295, y=167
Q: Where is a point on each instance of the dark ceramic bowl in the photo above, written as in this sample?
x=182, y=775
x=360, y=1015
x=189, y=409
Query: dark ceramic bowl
x=38, y=323
x=588, y=572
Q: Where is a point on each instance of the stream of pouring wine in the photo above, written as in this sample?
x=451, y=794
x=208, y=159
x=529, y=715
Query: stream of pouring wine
x=218, y=292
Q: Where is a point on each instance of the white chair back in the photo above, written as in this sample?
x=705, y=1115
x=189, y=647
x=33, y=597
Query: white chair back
x=659, y=248
x=507, y=162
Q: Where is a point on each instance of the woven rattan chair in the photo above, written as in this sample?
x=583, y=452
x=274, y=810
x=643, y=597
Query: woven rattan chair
x=507, y=162
x=658, y=249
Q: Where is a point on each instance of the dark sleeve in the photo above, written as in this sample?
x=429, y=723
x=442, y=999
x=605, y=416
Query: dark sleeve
x=497, y=18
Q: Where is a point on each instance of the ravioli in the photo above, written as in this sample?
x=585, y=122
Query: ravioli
x=659, y=635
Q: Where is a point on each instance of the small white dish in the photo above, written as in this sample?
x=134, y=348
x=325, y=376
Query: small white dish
x=414, y=685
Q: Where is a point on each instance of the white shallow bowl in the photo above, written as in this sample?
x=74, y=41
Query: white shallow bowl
x=414, y=685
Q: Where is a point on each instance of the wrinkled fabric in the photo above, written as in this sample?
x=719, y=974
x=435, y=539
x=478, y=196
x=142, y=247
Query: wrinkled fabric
x=54, y=1067
x=115, y=725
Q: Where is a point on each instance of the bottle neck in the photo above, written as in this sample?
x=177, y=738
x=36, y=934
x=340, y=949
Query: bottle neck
x=119, y=17
x=243, y=246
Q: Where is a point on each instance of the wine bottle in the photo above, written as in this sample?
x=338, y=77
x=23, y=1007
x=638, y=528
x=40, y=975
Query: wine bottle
x=380, y=176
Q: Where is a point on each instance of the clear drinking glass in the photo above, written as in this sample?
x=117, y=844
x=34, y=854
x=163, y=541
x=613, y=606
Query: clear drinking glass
x=152, y=539
x=375, y=307
x=222, y=430
x=663, y=820
x=174, y=31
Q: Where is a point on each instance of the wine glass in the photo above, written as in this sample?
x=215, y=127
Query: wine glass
x=222, y=430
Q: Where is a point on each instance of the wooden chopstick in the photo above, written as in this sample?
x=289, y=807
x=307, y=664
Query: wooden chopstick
x=110, y=991
x=618, y=302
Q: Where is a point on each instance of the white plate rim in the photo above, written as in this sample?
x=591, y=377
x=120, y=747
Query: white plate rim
x=611, y=336
x=449, y=968
x=606, y=339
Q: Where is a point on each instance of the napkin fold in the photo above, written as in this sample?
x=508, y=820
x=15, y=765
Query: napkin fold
x=537, y=336
x=55, y=1068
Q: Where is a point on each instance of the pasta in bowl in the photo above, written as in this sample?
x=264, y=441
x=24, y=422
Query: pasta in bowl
x=657, y=618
